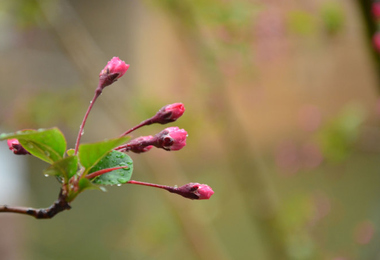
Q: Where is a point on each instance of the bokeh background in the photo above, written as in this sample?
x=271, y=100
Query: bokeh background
x=282, y=112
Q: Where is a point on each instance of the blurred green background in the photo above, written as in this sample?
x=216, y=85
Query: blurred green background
x=282, y=112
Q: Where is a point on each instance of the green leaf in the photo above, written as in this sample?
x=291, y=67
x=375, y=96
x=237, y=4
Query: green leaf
x=47, y=144
x=65, y=168
x=114, y=159
x=91, y=154
x=70, y=152
x=86, y=184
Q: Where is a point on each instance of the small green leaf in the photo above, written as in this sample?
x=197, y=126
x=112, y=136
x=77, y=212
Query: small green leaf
x=47, y=144
x=114, y=159
x=70, y=152
x=86, y=184
x=65, y=168
x=91, y=154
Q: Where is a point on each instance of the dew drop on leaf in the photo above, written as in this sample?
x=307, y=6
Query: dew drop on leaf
x=122, y=180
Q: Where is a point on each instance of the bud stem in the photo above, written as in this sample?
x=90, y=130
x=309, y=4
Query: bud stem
x=168, y=188
x=143, y=123
x=98, y=91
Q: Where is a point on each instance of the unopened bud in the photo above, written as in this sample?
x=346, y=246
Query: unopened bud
x=15, y=146
x=114, y=69
x=169, y=113
x=195, y=191
x=376, y=10
x=171, y=139
x=141, y=144
x=376, y=41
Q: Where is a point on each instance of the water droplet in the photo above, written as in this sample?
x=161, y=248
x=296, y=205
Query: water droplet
x=118, y=185
x=46, y=175
x=47, y=153
x=82, y=132
x=122, y=180
x=91, y=102
x=30, y=145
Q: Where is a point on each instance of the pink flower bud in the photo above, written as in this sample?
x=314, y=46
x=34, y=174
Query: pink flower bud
x=195, y=191
x=376, y=10
x=169, y=113
x=171, y=139
x=114, y=69
x=15, y=146
x=141, y=144
x=376, y=41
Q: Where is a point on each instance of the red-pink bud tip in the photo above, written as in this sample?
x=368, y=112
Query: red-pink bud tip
x=376, y=41
x=171, y=139
x=376, y=10
x=114, y=69
x=195, y=191
x=169, y=113
x=15, y=146
x=205, y=192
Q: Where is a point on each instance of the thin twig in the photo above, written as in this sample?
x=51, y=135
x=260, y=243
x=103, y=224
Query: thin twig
x=97, y=94
x=44, y=213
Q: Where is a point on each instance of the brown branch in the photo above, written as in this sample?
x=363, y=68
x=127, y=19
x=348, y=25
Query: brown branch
x=46, y=213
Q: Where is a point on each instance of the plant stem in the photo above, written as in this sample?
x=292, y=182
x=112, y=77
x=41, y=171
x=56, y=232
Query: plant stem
x=168, y=188
x=60, y=205
x=98, y=91
x=143, y=123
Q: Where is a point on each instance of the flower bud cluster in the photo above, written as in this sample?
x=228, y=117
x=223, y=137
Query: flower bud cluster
x=169, y=139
